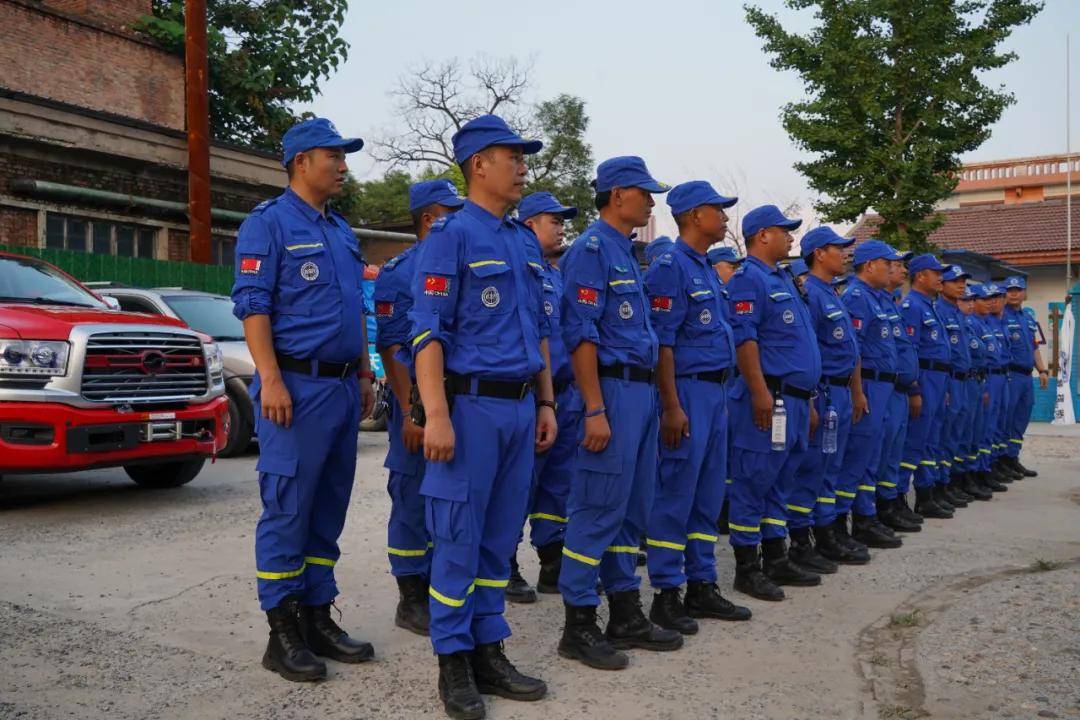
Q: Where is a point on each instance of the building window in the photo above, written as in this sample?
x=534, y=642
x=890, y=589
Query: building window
x=224, y=250
x=101, y=237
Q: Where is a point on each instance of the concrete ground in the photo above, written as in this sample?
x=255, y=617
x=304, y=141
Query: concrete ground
x=123, y=603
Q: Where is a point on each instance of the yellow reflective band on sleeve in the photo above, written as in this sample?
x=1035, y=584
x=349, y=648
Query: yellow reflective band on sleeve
x=446, y=600
x=728, y=481
x=484, y=582
x=421, y=336
x=797, y=508
x=482, y=263
x=579, y=557
x=908, y=466
x=664, y=544
x=773, y=521
x=867, y=488
x=827, y=501
x=303, y=245
x=984, y=451
x=406, y=553
x=886, y=483
x=264, y=575
x=1014, y=440
x=613, y=283
x=743, y=528
x=958, y=459
x=928, y=462
x=703, y=537
x=548, y=516
x=320, y=561
x=972, y=457
x=946, y=463
x=536, y=265
x=845, y=494
x=622, y=548
x=700, y=292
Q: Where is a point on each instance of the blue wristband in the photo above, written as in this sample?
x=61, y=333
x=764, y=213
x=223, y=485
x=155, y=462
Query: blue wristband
x=598, y=411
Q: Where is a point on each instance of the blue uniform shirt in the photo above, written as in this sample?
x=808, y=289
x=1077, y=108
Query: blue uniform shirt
x=686, y=301
x=907, y=358
x=956, y=331
x=924, y=327
x=393, y=300
x=1022, y=334
x=976, y=331
x=561, y=371
x=478, y=289
x=832, y=324
x=1002, y=346
x=766, y=308
x=304, y=270
x=877, y=346
x=604, y=299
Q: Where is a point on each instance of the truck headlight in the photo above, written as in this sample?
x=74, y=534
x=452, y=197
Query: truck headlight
x=33, y=357
x=215, y=362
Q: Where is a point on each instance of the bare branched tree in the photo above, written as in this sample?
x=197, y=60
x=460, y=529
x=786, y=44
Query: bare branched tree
x=434, y=99
x=734, y=182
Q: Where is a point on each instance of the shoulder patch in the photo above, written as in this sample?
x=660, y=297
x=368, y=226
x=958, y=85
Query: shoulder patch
x=906, y=304
x=592, y=243
x=666, y=259
x=263, y=206
x=856, y=292
x=440, y=223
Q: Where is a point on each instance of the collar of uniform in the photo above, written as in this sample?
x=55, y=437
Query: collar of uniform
x=485, y=218
x=298, y=202
x=947, y=301
x=813, y=279
x=775, y=269
x=604, y=228
x=685, y=247
x=922, y=296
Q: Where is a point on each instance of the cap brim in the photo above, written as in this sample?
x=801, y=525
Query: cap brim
x=568, y=213
x=454, y=202
x=724, y=202
x=349, y=145
x=654, y=186
x=789, y=225
x=904, y=256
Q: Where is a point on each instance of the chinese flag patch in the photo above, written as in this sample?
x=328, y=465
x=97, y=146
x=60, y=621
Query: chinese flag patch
x=250, y=266
x=744, y=307
x=437, y=285
x=384, y=309
x=857, y=322
x=911, y=330
x=587, y=295
x=661, y=304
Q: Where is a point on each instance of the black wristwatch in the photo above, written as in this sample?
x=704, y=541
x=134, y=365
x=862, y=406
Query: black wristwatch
x=547, y=403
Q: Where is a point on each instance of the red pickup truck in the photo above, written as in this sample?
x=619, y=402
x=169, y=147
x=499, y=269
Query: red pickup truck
x=85, y=386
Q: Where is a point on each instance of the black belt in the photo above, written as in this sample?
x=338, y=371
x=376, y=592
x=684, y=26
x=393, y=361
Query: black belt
x=996, y=371
x=837, y=380
x=632, y=373
x=1020, y=369
x=322, y=369
x=935, y=365
x=504, y=389
x=714, y=376
x=901, y=387
x=871, y=374
x=960, y=374
x=558, y=386
x=779, y=386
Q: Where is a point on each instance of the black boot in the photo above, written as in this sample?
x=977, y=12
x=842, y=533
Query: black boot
x=547, y=582
x=905, y=511
x=703, y=600
x=413, y=612
x=457, y=687
x=973, y=488
x=867, y=530
x=803, y=553
x=668, y=611
x=286, y=653
x=518, y=590
x=988, y=481
x=956, y=497
x=829, y=547
x=938, y=493
x=1004, y=473
x=326, y=638
x=496, y=675
x=888, y=512
x=1015, y=464
x=780, y=569
x=844, y=536
x=582, y=640
x=748, y=576
x=926, y=506
x=956, y=485
x=629, y=628
x=722, y=521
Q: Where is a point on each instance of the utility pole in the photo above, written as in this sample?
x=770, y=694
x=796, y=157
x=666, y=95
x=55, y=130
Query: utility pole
x=198, y=131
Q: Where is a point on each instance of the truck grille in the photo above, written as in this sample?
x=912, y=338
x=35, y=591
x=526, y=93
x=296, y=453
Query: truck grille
x=143, y=367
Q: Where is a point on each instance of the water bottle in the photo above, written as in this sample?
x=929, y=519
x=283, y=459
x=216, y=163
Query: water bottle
x=832, y=422
x=779, y=425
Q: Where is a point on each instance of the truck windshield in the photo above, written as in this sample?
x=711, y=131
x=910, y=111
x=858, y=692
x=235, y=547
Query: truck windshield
x=27, y=280
x=210, y=314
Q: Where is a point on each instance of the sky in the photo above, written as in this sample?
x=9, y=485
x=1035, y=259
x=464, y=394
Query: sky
x=683, y=83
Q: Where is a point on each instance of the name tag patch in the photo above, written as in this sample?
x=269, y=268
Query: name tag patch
x=250, y=266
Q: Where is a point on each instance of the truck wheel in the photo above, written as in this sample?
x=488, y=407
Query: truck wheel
x=165, y=475
x=239, y=431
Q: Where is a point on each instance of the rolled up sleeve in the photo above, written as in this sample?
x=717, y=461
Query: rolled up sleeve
x=256, y=268
x=584, y=287
x=435, y=290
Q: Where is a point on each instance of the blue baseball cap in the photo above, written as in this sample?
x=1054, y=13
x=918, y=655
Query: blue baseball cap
x=723, y=254
x=536, y=203
x=315, y=133
x=658, y=247
x=821, y=236
x=626, y=171
x=689, y=195
x=874, y=249
x=798, y=267
x=993, y=289
x=926, y=261
x=904, y=255
x=434, y=192
x=766, y=216
x=483, y=132
x=969, y=293
x=954, y=272
x=1015, y=281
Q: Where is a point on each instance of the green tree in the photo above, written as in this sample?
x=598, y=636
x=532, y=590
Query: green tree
x=894, y=97
x=264, y=56
x=565, y=165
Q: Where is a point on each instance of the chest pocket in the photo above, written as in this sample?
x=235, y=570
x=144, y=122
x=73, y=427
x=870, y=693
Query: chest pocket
x=491, y=288
x=837, y=331
x=551, y=301
x=702, y=317
x=624, y=307
x=307, y=261
x=782, y=320
x=355, y=254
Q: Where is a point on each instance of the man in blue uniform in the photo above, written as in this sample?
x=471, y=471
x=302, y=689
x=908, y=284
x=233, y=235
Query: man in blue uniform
x=613, y=350
x=1023, y=335
x=997, y=368
x=725, y=262
x=840, y=394
x=779, y=367
x=923, y=325
x=1000, y=386
x=298, y=292
x=658, y=247
x=695, y=362
x=546, y=216
x=479, y=342
x=979, y=399
x=408, y=544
